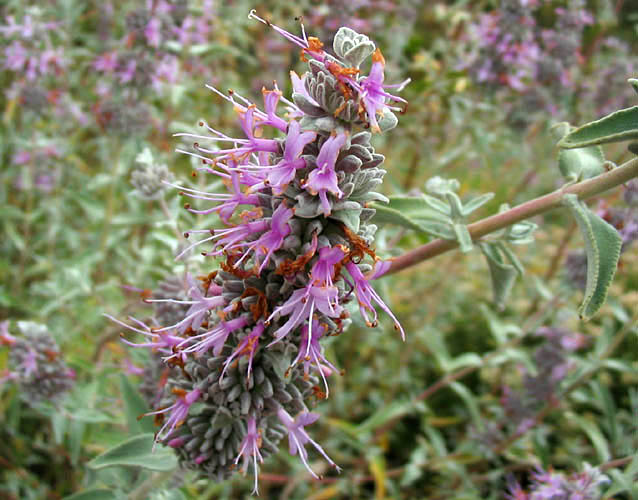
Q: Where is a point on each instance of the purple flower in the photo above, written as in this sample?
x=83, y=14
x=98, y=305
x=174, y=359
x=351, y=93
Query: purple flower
x=127, y=73
x=366, y=294
x=280, y=174
x=246, y=146
x=323, y=179
x=160, y=341
x=271, y=99
x=319, y=294
x=107, y=62
x=298, y=437
x=371, y=90
x=310, y=352
x=152, y=32
x=272, y=240
x=230, y=201
x=15, y=56
x=249, y=450
x=247, y=347
x=178, y=412
x=213, y=339
x=311, y=46
x=199, y=306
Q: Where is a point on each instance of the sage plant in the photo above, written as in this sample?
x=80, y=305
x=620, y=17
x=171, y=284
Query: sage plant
x=36, y=363
x=297, y=246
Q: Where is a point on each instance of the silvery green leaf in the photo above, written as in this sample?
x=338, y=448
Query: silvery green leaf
x=437, y=204
x=352, y=47
x=579, y=163
x=502, y=274
x=145, y=157
x=521, y=233
x=442, y=230
x=388, y=215
x=476, y=203
x=416, y=207
x=94, y=494
x=136, y=451
x=387, y=121
x=456, y=207
x=362, y=138
x=634, y=83
x=511, y=256
x=602, y=246
x=463, y=237
x=308, y=207
x=440, y=186
x=371, y=196
x=361, y=152
x=280, y=362
x=306, y=106
x=349, y=163
x=377, y=159
x=619, y=126
x=351, y=218
x=359, y=53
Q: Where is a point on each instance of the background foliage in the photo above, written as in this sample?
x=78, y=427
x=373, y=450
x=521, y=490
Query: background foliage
x=471, y=402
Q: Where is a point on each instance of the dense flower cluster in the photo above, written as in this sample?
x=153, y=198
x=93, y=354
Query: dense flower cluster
x=583, y=485
x=245, y=342
x=509, y=48
x=540, y=388
x=36, y=363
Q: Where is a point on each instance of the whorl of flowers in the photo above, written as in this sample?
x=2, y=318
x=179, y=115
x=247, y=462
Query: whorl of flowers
x=36, y=363
x=585, y=485
x=510, y=49
x=297, y=247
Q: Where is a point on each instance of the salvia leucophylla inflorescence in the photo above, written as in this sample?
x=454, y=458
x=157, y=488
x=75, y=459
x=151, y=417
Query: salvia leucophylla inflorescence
x=36, y=363
x=246, y=353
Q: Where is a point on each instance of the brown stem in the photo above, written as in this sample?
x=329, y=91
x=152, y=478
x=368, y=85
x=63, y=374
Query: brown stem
x=583, y=190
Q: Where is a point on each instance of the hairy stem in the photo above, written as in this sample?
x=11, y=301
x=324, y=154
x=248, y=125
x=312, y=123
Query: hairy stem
x=585, y=189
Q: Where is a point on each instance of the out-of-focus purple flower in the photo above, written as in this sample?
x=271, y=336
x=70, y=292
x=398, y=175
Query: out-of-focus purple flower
x=152, y=32
x=298, y=437
x=167, y=71
x=106, y=62
x=127, y=73
x=131, y=368
x=15, y=56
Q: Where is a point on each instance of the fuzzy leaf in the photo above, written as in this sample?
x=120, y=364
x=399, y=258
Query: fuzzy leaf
x=503, y=274
x=619, y=126
x=134, y=407
x=578, y=163
x=351, y=218
x=137, y=452
x=602, y=245
x=94, y=494
x=412, y=212
x=463, y=237
x=476, y=203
